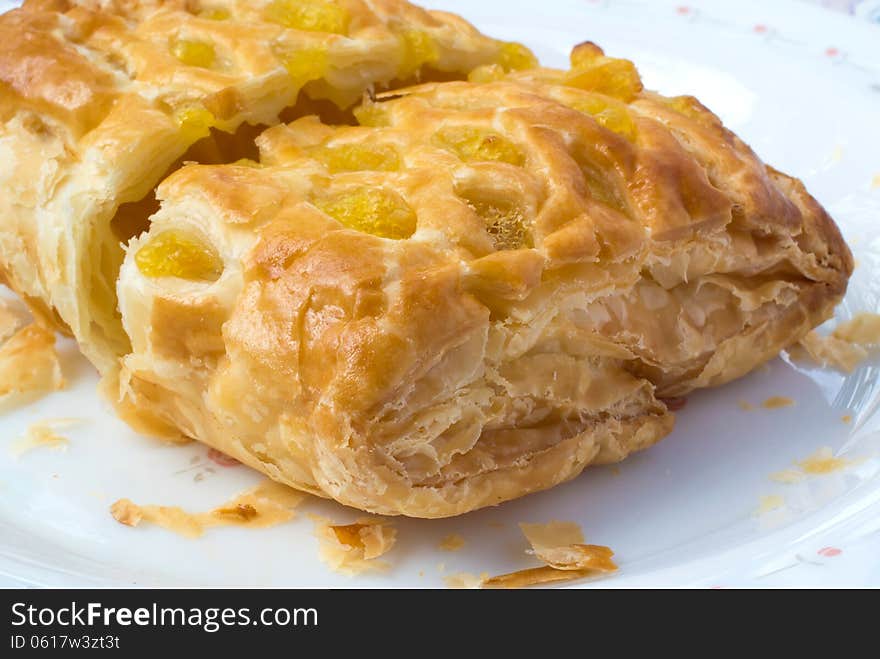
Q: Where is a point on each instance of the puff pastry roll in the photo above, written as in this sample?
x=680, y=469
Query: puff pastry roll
x=472, y=295
x=99, y=99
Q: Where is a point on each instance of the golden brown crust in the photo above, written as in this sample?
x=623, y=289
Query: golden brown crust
x=101, y=98
x=470, y=297
x=476, y=295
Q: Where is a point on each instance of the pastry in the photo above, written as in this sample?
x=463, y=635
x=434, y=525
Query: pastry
x=100, y=99
x=480, y=290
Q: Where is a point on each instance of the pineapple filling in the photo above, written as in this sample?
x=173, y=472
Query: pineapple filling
x=475, y=144
x=215, y=13
x=193, y=53
x=195, y=122
x=504, y=223
x=358, y=157
x=175, y=253
x=418, y=49
x=609, y=113
x=309, y=15
x=593, y=71
x=504, y=218
x=487, y=73
x=304, y=65
x=372, y=115
x=377, y=211
x=514, y=57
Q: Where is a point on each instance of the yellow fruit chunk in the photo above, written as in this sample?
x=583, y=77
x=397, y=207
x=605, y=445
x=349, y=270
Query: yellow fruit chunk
x=504, y=223
x=193, y=53
x=605, y=75
x=418, y=49
x=611, y=114
x=377, y=211
x=373, y=115
x=304, y=65
x=584, y=54
x=514, y=57
x=476, y=144
x=175, y=253
x=195, y=122
x=358, y=157
x=215, y=14
x=309, y=15
x=487, y=73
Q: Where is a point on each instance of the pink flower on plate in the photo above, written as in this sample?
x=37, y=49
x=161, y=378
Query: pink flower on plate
x=760, y=28
x=684, y=10
x=830, y=552
x=831, y=51
x=222, y=459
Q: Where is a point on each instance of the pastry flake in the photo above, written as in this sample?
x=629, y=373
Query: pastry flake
x=43, y=435
x=465, y=580
x=561, y=546
x=832, y=351
x=29, y=366
x=862, y=330
x=535, y=576
x=451, y=542
x=11, y=318
x=352, y=548
x=267, y=504
x=847, y=346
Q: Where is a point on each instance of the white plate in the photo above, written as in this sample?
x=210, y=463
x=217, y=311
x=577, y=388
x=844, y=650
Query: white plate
x=796, y=82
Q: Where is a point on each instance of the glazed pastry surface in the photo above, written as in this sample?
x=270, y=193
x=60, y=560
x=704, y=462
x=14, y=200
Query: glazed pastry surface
x=480, y=290
x=100, y=99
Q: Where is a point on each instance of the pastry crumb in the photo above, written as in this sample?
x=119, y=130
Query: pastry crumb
x=822, y=462
x=745, y=406
x=462, y=581
x=875, y=182
x=267, y=504
x=496, y=524
x=769, y=503
x=561, y=546
x=29, y=366
x=846, y=347
x=42, y=435
x=776, y=402
x=615, y=471
x=863, y=330
x=788, y=476
x=352, y=548
x=452, y=542
x=465, y=580
x=846, y=418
